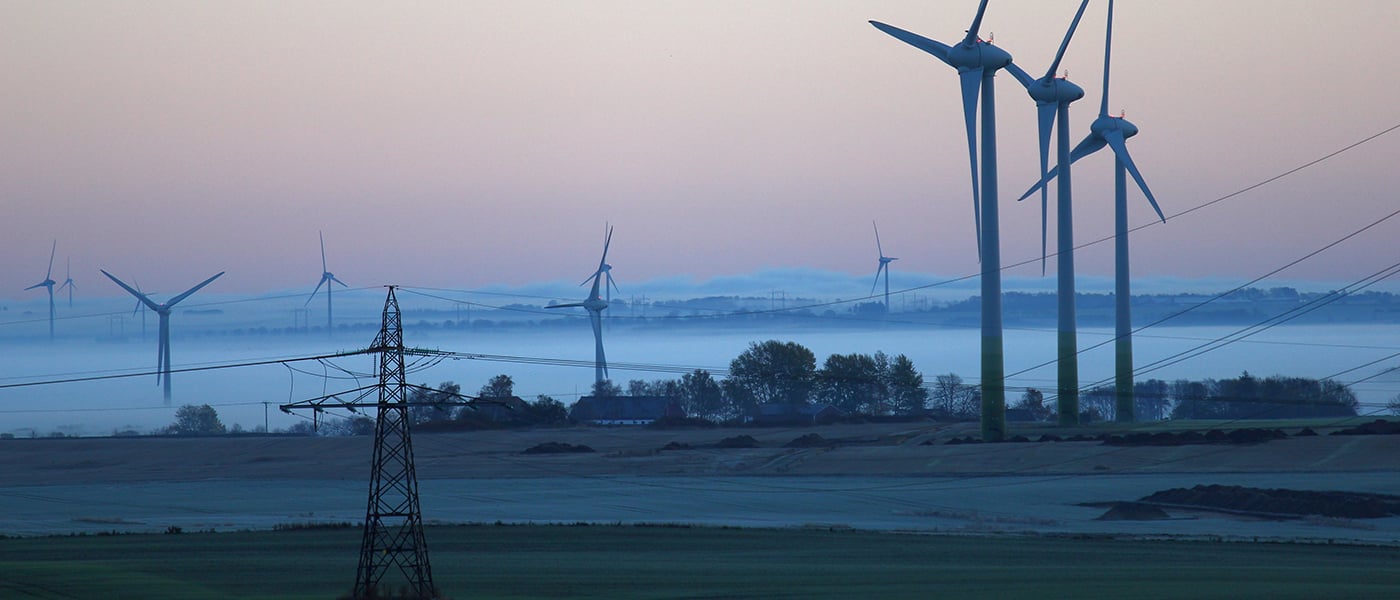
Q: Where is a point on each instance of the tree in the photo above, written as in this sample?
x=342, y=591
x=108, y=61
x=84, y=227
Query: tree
x=1098, y=404
x=196, y=420
x=1033, y=402
x=770, y=372
x=701, y=396
x=355, y=425
x=500, y=386
x=851, y=382
x=905, y=385
x=952, y=398
x=606, y=389
x=1151, y=399
x=426, y=404
x=1192, y=399
x=547, y=411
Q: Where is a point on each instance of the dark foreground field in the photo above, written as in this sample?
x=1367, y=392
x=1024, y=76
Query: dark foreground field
x=674, y=562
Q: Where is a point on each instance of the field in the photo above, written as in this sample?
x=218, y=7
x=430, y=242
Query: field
x=602, y=561
x=877, y=511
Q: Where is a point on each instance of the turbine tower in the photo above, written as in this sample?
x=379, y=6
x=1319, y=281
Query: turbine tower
x=48, y=284
x=977, y=61
x=1053, y=96
x=163, y=351
x=327, y=278
x=1113, y=132
x=68, y=281
x=595, y=304
x=883, y=268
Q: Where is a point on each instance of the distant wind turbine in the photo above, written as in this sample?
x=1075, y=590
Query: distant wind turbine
x=163, y=309
x=1053, y=96
x=595, y=304
x=977, y=62
x=326, y=279
x=1113, y=132
x=48, y=284
x=68, y=281
x=883, y=268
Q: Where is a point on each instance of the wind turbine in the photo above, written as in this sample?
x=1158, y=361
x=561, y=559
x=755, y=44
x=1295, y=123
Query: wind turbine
x=595, y=305
x=977, y=62
x=1113, y=132
x=326, y=279
x=163, y=309
x=1053, y=96
x=68, y=281
x=883, y=268
x=48, y=283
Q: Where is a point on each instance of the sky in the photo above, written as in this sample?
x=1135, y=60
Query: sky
x=472, y=144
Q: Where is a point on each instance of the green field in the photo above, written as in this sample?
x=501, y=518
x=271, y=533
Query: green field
x=678, y=562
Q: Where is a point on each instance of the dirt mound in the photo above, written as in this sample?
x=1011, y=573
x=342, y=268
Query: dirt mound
x=1214, y=436
x=677, y=446
x=1133, y=511
x=738, y=441
x=810, y=440
x=1376, y=427
x=1280, y=502
x=556, y=448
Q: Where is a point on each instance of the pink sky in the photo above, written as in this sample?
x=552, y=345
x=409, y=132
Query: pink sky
x=463, y=144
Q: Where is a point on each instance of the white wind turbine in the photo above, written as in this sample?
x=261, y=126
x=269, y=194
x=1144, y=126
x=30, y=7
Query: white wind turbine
x=595, y=304
x=162, y=309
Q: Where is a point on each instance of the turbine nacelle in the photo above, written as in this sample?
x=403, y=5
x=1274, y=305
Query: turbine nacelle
x=1107, y=123
x=594, y=304
x=1054, y=90
x=978, y=54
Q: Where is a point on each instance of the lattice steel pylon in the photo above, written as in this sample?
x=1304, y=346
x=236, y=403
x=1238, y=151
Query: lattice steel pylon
x=393, y=532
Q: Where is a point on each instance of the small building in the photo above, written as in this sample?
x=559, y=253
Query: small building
x=624, y=410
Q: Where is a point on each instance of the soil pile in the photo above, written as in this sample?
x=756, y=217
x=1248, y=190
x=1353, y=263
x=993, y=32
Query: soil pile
x=1280, y=502
x=556, y=448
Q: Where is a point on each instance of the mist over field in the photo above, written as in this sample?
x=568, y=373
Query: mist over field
x=658, y=329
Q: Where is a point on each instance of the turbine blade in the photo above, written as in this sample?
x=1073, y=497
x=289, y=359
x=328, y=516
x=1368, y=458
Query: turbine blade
x=177, y=299
x=1046, y=122
x=323, y=251
x=569, y=305
x=37, y=285
x=877, y=239
x=1120, y=148
x=976, y=23
x=49, y=274
x=606, y=242
x=313, y=292
x=938, y=49
x=342, y=283
x=971, y=85
x=1090, y=144
x=613, y=283
x=139, y=296
x=1064, y=45
x=1020, y=74
x=878, y=270
x=1107, y=51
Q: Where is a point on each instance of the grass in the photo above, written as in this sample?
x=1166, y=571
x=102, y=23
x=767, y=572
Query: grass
x=681, y=562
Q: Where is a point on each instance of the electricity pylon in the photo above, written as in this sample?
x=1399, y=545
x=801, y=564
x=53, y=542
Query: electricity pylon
x=393, y=529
